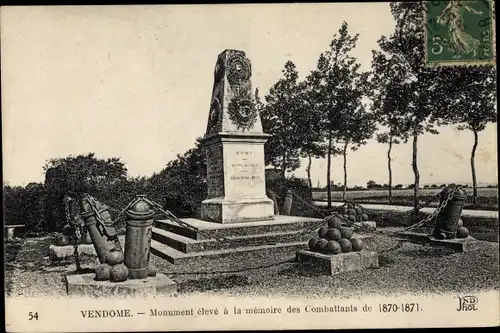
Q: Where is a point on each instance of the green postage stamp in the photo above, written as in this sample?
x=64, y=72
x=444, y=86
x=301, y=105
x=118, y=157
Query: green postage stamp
x=459, y=32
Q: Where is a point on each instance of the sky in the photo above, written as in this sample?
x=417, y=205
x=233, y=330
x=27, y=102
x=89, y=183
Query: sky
x=135, y=82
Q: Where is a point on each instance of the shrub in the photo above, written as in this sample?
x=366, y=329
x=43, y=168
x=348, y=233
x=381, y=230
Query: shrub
x=21, y=206
x=181, y=186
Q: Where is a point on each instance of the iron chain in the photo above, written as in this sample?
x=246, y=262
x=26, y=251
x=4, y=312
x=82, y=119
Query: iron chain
x=436, y=212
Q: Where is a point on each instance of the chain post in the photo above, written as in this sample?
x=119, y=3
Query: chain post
x=76, y=255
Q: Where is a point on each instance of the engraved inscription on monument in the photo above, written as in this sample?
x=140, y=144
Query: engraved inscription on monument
x=244, y=170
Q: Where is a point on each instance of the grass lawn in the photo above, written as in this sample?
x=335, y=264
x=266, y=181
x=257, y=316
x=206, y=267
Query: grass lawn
x=409, y=268
x=487, y=197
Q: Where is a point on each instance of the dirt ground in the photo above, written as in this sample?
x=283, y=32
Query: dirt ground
x=404, y=267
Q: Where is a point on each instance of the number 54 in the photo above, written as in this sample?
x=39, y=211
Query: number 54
x=32, y=316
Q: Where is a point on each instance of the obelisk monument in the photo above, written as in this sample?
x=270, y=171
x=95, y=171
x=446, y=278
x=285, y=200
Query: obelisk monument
x=234, y=147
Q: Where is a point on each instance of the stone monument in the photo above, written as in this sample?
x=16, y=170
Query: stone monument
x=234, y=147
x=237, y=217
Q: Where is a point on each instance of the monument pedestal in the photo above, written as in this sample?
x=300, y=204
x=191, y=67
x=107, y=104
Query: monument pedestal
x=331, y=264
x=224, y=210
x=236, y=179
x=457, y=244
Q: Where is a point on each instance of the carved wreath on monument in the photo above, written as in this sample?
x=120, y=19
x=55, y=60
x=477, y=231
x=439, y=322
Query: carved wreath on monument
x=215, y=110
x=239, y=69
x=242, y=111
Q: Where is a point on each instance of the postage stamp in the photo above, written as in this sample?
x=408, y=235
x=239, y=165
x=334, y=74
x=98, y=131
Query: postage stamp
x=459, y=32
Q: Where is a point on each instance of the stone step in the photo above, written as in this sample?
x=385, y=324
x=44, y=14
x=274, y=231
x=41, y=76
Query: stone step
x=175, y=241
x=175, y=228
x=177, y=257
x=208, y=230
x=188, y=245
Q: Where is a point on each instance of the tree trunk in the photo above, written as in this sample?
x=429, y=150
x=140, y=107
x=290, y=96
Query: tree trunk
x=415, y=172
x=473, y=169
x=308, y=169
x=390, y=170
x=344, y=194
x=329, y=163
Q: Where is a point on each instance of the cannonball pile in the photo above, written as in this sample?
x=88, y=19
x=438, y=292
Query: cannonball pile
x=334, y=237
x=113, y=269
x=462, y=232
x=353, y=213
x=69, y=233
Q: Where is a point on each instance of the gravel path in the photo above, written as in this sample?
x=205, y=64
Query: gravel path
x=31, y=274
x=409, y=268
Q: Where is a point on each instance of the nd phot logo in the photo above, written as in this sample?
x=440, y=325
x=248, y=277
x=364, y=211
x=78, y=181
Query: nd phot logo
x=467, y=303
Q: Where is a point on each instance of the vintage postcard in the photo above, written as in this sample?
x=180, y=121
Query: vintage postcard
x=250, y=167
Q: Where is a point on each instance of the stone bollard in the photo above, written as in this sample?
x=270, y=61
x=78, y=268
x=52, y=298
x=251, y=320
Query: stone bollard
x=10, y=234
x=272, y=196
x=138, y=238
x=287, y=204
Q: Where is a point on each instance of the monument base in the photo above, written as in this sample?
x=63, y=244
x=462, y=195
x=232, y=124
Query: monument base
x=457, y=244
x=223, y=210
x=332, y=264
x=85, y=285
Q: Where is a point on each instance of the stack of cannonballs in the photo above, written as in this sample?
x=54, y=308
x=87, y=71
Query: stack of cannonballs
x=113, y=269
x=70, y=233
x=353, y=212
x=462, y=232
x=334, y=237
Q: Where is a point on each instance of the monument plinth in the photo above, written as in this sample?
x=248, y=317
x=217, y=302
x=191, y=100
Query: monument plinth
x=234, y=147
x=327, y=264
